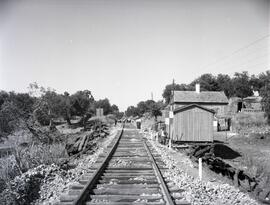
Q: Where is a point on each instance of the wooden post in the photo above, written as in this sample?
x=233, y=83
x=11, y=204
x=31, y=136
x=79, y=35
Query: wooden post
x=200, y=169
x=170, y=143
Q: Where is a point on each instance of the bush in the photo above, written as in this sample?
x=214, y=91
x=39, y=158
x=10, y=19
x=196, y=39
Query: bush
x=9, y=118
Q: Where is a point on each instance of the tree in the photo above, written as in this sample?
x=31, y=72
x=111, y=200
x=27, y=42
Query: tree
x=264, y=85
x=155, y=109
x=256, y=83
x=148, y=106
x=241, y=86
x=3, y=97
x=15, y=110
x=265, y=93
x=105, y=105
x=132, y=111
x=142, y=107
x=114, y=109
x=119, y=115
x=9, y=118
x=49, y=106
x=167, y=92
x=225, y=84
x=207, y=82
x=263, y=79
x=23, y=101
x=82, y=102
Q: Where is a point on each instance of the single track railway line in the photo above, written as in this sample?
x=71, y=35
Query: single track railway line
x=128, y=172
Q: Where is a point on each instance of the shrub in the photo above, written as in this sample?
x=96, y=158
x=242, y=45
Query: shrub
x=9, y=118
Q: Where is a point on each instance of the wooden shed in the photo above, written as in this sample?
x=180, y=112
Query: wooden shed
x=193, y=123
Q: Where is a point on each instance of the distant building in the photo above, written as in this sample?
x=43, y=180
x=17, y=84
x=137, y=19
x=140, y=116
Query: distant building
x=99, y=112
x=248, y=104
x=214, y=100
x=253, y=103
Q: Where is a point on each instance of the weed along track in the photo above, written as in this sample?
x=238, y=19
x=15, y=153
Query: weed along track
x=128, y=172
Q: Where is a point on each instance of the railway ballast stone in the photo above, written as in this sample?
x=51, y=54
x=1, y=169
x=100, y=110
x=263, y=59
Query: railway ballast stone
x=200, y=192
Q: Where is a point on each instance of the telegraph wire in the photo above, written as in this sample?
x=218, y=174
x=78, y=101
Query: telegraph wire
x=236, y=52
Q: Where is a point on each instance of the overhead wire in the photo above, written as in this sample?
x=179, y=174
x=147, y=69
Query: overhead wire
x=228, y=59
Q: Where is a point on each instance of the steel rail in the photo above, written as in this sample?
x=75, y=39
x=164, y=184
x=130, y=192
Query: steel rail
x=96, y=175
x=164, y=187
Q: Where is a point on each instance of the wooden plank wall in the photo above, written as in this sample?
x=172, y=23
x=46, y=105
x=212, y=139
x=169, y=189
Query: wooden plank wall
x=193, y=125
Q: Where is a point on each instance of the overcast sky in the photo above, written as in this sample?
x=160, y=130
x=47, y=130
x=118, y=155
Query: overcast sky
x=124, y=50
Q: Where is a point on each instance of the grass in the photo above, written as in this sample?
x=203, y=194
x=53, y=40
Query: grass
x=242, y=121
x=35, y=155
x=26, y=158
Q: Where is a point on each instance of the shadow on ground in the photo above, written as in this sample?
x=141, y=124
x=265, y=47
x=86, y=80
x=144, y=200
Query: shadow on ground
x=225, y=152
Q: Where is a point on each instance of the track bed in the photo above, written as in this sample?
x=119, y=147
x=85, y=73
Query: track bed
x=128, y=172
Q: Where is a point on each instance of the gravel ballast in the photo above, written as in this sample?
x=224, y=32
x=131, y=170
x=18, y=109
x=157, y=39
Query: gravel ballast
x=195, y=191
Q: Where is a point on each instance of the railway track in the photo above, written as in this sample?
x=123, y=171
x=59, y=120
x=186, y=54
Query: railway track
x=128, y=172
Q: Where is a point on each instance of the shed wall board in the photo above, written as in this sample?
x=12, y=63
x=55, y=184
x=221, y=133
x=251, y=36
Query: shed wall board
x=194, y=124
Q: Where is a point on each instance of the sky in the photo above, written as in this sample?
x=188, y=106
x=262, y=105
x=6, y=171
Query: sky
x=127, y=49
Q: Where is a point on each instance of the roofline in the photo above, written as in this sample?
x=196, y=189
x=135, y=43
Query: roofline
x=192, y=105
x=188, y=102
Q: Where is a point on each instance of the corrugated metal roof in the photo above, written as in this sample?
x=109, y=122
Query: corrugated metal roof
x=202, y=97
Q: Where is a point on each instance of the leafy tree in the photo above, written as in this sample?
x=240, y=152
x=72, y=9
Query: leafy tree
x=263, y=79
x=23, y=101
x=132, y=111
x=155, y=109
x=119, y=115
x=241, y=85
x=265, y=93
x=255, y=82
x=142, y=107
x=207, y=82
x=15, y=109
x=167, y=92
x=148, y=106
x=114, y=108
x=10, y=117
x=225, y=84
x=3, y=97
x=81, y=102
x=105, y=105
x=116, y=112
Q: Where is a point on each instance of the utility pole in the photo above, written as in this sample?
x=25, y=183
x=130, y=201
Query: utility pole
x=171, y=116
x=173, y=89
x=152, y=98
